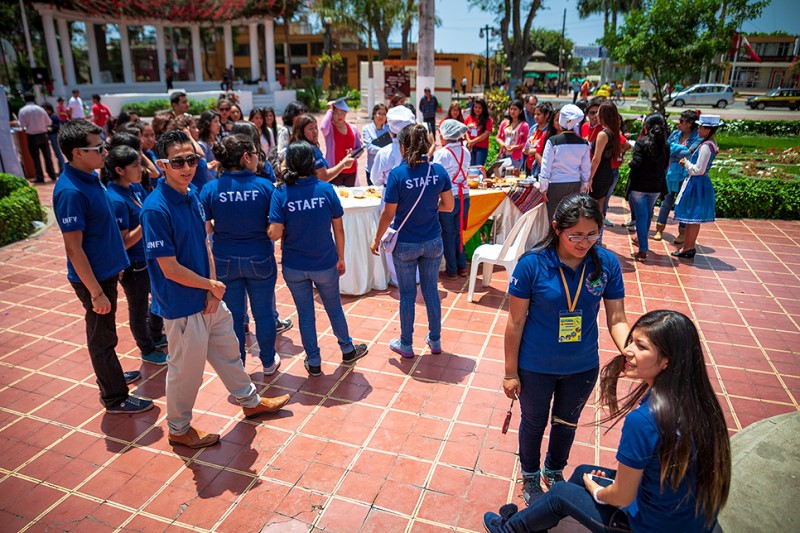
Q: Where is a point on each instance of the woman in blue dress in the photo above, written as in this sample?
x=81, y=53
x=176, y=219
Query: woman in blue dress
x=237, y=207
x=302, y=214
x=696, y=202
x=674, y=454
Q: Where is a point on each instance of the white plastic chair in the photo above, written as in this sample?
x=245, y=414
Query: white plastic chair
x=508, y=253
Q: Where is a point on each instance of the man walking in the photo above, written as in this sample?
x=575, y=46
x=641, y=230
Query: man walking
x=35, y=121
x=75, y=106
x=428, y=105
x=186, y=293
x=95, y=257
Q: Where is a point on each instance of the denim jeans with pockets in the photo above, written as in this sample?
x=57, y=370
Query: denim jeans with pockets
x=427, y=257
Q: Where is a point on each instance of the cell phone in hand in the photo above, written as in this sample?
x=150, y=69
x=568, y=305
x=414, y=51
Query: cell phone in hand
x=355, y=153
x=602, y=481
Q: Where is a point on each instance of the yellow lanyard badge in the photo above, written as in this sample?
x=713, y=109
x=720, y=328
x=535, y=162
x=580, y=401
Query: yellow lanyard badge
x=570, y=320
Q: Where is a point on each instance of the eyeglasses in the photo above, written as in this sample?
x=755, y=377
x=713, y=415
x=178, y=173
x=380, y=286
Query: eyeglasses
x=178, y=162
x=592, y=237
x=100, y=148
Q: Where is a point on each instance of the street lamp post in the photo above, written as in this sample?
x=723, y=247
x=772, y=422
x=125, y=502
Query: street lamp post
x=485, y=31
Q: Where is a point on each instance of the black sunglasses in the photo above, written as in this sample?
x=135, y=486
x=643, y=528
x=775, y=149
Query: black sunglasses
x=178, y=162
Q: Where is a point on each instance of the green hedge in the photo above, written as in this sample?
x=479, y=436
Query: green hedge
x=739, y=128
x=150, y=107
x=19, y=207
x=739, y=196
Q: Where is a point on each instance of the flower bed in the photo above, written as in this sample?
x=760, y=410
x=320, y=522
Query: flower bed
x=19, y=208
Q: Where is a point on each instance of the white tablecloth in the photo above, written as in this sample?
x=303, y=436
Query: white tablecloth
x=364, y=270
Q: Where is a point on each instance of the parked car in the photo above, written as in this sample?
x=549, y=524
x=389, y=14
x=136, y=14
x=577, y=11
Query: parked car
x=776, y=98
x=713, y=94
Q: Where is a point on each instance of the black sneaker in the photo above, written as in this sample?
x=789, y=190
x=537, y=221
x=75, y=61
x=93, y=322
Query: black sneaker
x=359, y=351
x=133, y=375
x=531, y=488
x=283, y=325
x=314, y=370
x=130, y=406
x=550, y=477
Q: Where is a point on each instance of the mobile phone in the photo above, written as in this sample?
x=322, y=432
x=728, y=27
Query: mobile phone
x=602, y=481
x=355, y=153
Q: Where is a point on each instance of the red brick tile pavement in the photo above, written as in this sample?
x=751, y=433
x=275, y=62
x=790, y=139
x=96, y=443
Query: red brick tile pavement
x=387, y=445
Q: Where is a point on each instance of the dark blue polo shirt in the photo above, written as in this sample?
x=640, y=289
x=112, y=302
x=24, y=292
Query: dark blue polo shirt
x=127, y=202
x=537, y=278
x=238, y=203
x=174, y=226
x=404, y=187
x=200, y=174
x=306, y=210
x=81, y=204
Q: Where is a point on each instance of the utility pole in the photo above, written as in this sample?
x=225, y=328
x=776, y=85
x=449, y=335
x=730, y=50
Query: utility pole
x=561, y=52
x=485, y=31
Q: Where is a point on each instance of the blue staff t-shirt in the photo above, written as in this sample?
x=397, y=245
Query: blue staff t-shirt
x=238, y=203
x=127, y=202
x=200, y=175
x=80, y=203
x=653, y=509
x=174, y=226
x=537, y=279
x=319, y=159
x=306, y=210
x=403, y=187
x=269, y=173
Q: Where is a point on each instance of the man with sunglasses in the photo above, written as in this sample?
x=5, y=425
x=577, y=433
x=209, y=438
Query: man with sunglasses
x=188, y=296
x=95, y=257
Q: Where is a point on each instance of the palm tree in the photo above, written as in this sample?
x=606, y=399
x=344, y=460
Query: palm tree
x=425, y=69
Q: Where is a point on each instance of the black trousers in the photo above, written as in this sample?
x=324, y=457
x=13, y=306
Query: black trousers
x=101, y=340
x=145, y=326
x=41, y=143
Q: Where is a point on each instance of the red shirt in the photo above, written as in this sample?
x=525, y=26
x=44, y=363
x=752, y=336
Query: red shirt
x=101, y=114
x=342, y=143
x=475, y=131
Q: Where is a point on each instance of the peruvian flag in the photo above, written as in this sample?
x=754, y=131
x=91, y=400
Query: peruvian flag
x=750, y=52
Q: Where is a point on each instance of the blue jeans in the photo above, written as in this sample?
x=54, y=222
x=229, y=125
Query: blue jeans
x=568, y=394
x=454, y=255
x=254, y=277
x=666, y=206
x=571, y=499
x=301, y=284
x=478, y=156
x=54, y=143
x=643, y=203
x=427, y=256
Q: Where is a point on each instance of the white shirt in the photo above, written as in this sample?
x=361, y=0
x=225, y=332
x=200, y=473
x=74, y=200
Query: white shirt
x=450, y=164
x=34, y=119
x=386, y=160
x=699, y=168
x=565, y=160
x=76, y=106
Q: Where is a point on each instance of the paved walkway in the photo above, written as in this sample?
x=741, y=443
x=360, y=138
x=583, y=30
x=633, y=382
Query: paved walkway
x=388, y=445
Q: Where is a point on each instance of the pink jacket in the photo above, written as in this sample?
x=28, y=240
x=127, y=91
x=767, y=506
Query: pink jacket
x=326, y=128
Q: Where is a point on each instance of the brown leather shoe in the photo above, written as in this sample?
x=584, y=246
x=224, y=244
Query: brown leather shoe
x=266, y=405
x=194, y=438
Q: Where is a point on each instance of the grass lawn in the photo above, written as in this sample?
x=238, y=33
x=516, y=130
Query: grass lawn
x=756, y=143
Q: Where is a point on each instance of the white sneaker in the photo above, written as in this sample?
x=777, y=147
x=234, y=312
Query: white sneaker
x=276, y=363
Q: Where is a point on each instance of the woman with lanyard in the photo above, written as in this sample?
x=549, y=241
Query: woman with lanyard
x=551, y=339
x=566, y=164
x=415, y=193
x=696, y=201
x=456, y=160
x=480, y=126
x=683, y=142
x=302, y=213
x=124, y=167
x=543, y=115
x=378, y=127
x=512, y=134
x=237, y=206
x=674, y=454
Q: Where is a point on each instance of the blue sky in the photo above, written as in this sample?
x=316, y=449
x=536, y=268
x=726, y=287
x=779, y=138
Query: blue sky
x=460, y=25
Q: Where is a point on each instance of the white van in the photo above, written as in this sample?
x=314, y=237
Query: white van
x=713, y=94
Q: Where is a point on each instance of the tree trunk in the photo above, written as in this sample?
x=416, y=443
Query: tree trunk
x=327, y=46
x=425, y=70
x=406, y=29
x=383, y=43
x=287, y=52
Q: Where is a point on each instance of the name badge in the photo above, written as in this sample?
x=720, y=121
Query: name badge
x=569, y=326
x=473, y=132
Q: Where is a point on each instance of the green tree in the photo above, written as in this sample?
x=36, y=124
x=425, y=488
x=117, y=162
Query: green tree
x=549, y=43
x=668, y=40
x=515, y=18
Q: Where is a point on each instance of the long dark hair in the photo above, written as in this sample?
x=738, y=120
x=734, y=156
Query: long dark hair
x=248, y=129
x=230, y=151
x=684, y=406
x=204, y=125
x=654, y=138
x=570, y=210
x=264, y=112
x=415, y=143
x=483, y=118
x=298, y=133
x=519, y=104
x=292, y=111
x=299, y=162
x=119, y=156
x=608, y=115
